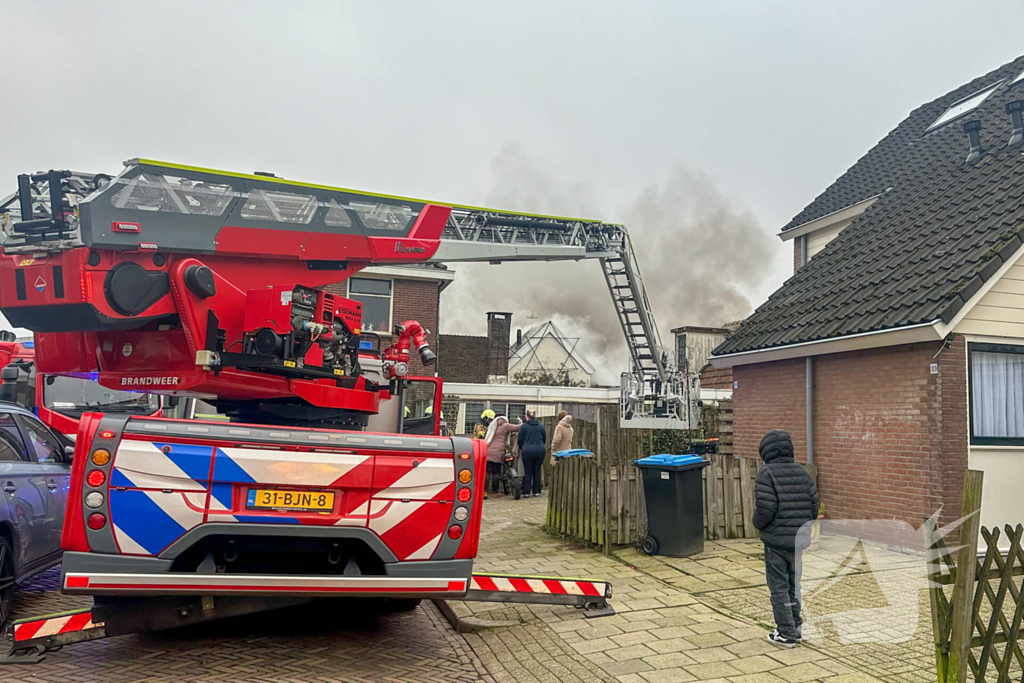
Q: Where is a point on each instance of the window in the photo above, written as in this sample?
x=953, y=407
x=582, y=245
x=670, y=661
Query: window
x=996, y=394
x=337, y=216
x=375, y=296
x=280, y=207
x=43, y=444
x=11, y=445
x=964, y=106
x=510, y=410
x=171, y=194
x=383, y=216
x=473, y=411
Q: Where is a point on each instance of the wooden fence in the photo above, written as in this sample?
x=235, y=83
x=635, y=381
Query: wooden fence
x=599, y=499
x=977, y=603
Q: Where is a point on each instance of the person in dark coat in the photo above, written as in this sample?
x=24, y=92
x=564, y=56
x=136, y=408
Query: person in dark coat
x=786, y=499
x=532, y=442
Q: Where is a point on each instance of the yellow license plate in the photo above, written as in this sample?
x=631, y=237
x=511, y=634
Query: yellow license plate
x=314, y=501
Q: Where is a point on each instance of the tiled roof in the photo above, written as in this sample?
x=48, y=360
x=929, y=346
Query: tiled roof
x=940, y=228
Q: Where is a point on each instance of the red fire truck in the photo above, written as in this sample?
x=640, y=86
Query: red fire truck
x=196, y=283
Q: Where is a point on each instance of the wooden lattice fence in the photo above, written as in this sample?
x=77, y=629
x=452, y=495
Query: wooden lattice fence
x=977, y=602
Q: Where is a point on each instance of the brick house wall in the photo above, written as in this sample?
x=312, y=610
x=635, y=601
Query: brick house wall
x=411, y=300
x=890, y=437
x=462, y=358
x=716, y=378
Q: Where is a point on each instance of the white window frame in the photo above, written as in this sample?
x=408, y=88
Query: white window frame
x=391, y=302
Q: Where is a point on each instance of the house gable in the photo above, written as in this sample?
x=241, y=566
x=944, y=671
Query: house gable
x=939, y=230
x=999, y=310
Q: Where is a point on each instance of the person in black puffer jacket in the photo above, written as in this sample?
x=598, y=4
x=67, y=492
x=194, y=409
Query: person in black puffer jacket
x=532, y=440
x=786, y=499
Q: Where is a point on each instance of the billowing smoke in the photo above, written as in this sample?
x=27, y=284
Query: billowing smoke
x=697, y=250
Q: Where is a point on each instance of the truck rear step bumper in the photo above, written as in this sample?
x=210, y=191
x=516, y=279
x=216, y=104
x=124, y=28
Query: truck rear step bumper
x=97, y=583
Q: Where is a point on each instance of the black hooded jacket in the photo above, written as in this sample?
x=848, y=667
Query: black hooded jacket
x=785, y=495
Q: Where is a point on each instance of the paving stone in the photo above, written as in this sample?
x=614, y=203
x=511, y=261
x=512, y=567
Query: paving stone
x=635, y=638
x=599, y=631
x=669, y=661
x=757, y=646
x=628, y=666
x=673, y=632
x=713, y=670
x=756, y=664
x=671, y=645
x=597, y=645
x=808, y=671
x=710, y=640
x=675, y=675
x=711, y=654
x=796, y=655
x=630, y=652
x=641, y=625
x=761, y=677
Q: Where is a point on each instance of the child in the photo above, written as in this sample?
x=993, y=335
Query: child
x=785, y=500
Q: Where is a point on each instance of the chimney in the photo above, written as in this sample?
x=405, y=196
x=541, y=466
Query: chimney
x=1014, y=109
x=973, y=130
x=499, y=327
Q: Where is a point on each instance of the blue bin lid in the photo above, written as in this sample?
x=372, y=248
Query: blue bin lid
x=573, y=451
x=670, y=460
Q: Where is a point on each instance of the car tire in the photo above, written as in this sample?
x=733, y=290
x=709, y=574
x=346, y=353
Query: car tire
x=6, y=580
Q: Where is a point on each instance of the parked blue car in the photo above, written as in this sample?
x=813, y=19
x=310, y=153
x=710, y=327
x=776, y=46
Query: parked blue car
x=35, y=472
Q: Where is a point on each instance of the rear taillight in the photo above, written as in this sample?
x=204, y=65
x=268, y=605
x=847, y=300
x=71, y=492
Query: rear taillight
x=100, y=456
x=97, y=521
x=455, y=532
x=464, y=495
x=73, y=535
x=466, y=476
x=96, y=478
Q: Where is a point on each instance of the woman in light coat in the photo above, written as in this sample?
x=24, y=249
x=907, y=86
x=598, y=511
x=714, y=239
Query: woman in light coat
x=562, y=438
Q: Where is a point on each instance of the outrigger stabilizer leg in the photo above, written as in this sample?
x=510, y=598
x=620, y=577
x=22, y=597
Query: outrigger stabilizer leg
x=590, y=596
x=32, y=638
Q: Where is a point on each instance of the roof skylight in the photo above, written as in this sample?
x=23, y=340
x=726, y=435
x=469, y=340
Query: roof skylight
x=964, y=106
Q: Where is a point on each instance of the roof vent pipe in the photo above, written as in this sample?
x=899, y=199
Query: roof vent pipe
x=1014, y=109
x=973, y=130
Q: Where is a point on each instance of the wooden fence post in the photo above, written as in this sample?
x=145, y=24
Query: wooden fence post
x=963, y=587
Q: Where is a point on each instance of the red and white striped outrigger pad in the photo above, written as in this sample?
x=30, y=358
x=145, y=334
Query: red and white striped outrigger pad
x=537, y=584
x=55, y=624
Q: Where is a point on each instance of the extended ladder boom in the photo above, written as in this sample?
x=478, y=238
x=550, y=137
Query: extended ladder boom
x=181, y=209
x=654, y=394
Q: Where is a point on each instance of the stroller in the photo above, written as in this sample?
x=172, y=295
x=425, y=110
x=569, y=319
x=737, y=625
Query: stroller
x=511, y=477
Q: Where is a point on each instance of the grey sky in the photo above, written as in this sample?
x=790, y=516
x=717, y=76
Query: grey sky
x=771, y=100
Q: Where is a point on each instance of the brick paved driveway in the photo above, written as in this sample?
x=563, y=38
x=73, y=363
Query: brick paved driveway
x=662, y=633
x=324, y=641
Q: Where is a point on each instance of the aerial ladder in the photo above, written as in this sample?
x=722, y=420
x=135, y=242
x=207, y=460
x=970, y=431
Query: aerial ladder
x=654, y=393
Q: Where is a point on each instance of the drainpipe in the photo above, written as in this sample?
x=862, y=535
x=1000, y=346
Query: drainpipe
x=809, y=376
x=810, y=409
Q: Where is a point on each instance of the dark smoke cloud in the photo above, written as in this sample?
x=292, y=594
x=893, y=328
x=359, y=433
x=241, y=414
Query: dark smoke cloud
x=698, y=252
